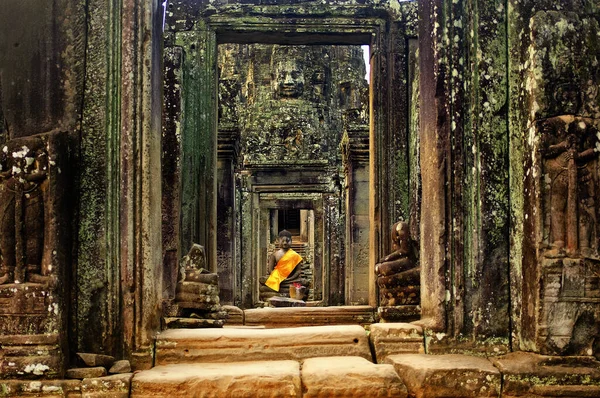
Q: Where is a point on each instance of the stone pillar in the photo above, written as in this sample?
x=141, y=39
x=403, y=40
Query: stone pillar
x=139, y=219
x=554, y=192
x=357, y=217
x=434, y=130
x=227, y=268
x=199, y=153
x=35, y=274
x=171, y=164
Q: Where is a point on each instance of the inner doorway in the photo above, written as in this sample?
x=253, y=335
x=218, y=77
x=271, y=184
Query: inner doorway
x=293, y=135
x=190, y=142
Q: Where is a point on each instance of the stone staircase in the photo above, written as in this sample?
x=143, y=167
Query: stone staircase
x=346, y=361
x=388, y=360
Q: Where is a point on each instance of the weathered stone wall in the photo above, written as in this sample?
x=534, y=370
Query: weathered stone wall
x=63, y=69
x=464, y=169
x=42, y=66
x=553, y=87
x=41, y=89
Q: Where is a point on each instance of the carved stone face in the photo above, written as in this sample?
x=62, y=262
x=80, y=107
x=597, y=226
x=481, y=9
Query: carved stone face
x=289, y=78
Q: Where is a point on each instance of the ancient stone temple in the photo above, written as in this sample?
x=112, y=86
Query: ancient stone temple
x=299, y=198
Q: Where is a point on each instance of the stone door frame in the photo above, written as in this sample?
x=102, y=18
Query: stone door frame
x=383, y=27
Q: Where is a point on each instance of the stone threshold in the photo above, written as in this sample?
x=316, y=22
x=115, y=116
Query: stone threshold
x=309, y=316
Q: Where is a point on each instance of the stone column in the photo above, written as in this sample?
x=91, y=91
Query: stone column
x=199, y=119
x=554, y=189
x=140, y=249
x=357, y=218
x=226, y=213
x=434, y=130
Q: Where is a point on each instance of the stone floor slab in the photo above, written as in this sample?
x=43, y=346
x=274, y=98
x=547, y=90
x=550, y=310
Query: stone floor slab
x=242, y=379
x=114, y=386
x=235, y=345
x=533, y=375
x=452, y=375
x=350, y=377
x=396, y=338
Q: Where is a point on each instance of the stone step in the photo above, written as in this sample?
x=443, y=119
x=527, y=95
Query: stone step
x=235, y=345
x=310, y=316
x=236, y=379
x=318, y=377
x=396, y=338
x=526, y=374
x=350, y=377
x=450, y=375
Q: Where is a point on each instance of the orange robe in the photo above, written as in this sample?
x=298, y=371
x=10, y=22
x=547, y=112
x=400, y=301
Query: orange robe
x=283, y=269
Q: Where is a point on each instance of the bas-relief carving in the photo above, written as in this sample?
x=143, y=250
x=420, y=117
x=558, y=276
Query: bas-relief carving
x=23, y=190
x=564, y=107
x=33, y=250
x=291, y=111
x=571, y=262
x=570, y=166
x=288, y=120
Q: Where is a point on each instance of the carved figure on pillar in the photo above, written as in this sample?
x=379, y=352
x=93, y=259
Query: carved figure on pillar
x=398, y=277
x=23, y=179
x=569, y=153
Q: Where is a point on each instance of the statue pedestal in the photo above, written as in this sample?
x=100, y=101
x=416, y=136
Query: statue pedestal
x=29, y=339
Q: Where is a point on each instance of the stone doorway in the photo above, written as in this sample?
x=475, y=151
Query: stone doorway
x=293, y=133
x=192, y=121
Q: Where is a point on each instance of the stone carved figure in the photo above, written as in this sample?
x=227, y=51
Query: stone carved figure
x=569, y=153
x=288, y=78
x=23, y=176
x=398, y=275
x=284, y=265
x=197, y=303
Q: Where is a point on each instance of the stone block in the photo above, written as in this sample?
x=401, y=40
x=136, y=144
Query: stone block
x=247, y=379
x=233, y=344
x=192, y=323
x=93, y=360
x=309, y=316
x=452, y=375
x=85, y=373
x=114, y=386
x=122, y=366
x=235, y=315
x=396, y=338
x=26, y=365
x=197, y=288
x=399, y=313
x=528, y=374
x=40, y=388
x=200, y=277
x=350, y=377
x=197, y=305
x=442, y=343
x=181, y=297
x=278, y=301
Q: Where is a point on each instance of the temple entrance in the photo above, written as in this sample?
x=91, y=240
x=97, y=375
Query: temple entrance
x=293, y=134
x=296, y=134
